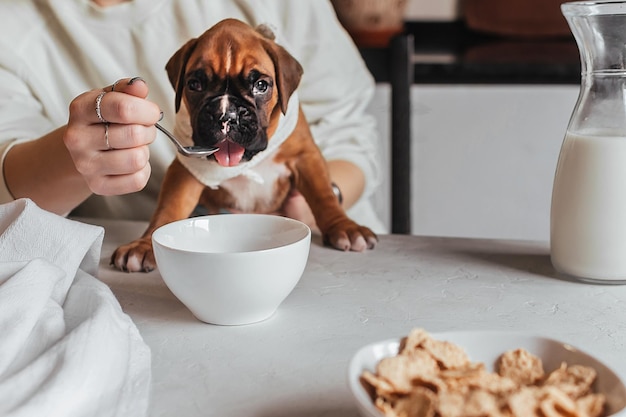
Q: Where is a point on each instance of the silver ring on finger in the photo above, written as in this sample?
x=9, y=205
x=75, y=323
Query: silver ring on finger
x=106, y=137
x=98, y=109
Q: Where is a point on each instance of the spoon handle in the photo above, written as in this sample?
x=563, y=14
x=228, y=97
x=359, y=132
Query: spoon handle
x=170, y=136
x=187, y=150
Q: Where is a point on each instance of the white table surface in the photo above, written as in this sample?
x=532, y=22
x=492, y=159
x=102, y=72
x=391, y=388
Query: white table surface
x=295, y=363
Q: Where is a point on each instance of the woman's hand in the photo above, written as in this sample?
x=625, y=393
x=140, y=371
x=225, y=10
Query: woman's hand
x=348, y=177
x=296, y=207
x=108, y=134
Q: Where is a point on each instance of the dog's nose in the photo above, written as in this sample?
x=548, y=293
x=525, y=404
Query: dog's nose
x=229, y=116
x=228, y=119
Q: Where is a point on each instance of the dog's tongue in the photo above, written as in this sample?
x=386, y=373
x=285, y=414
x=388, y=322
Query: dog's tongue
x=230, y=154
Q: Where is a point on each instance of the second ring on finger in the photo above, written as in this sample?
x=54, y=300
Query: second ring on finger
x=116, y=136
x=106, y=143
x=106, y=137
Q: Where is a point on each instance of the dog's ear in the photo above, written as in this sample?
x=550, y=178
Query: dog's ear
x=288, y=72
x=175, y=68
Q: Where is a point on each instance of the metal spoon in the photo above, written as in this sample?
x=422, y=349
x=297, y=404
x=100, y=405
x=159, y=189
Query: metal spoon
x=194, y=151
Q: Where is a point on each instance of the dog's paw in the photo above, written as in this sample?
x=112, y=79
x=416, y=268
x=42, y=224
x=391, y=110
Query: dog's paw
x=137, y=256
x=349, y=236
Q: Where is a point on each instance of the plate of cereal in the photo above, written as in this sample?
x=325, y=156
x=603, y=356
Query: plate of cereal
x=482, y=373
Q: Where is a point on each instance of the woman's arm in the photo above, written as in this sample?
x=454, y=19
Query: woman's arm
x=43, y=171
x=61, y=169
x=347, y=176
x=350, y=180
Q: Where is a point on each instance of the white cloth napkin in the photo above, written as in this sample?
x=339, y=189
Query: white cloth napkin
x=66, y=347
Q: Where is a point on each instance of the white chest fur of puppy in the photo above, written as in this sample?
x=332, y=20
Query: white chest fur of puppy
x=257, y=187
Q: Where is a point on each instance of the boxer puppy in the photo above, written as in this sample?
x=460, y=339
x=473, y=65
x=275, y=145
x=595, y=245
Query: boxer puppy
x=236, y=90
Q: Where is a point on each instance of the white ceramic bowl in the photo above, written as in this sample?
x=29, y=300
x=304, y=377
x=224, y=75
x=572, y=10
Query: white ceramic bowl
x=486, y=347
x=232, y=269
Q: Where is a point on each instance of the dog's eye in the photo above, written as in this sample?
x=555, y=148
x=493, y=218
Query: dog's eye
x=194, y=84
x=260, y=87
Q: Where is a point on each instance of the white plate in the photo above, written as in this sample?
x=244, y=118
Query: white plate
x=486, y=347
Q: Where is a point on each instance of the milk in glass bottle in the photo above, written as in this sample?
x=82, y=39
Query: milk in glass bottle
x=588, y=213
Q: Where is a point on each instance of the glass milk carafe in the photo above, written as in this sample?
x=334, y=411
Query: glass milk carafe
x=588, y=215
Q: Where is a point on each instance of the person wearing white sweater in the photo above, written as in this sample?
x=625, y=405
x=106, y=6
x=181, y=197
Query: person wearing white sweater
x=57, y=56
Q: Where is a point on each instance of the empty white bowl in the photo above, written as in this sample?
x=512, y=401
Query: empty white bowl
x=232, y=269
x=486, y=347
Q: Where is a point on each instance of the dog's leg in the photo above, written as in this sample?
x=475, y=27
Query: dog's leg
x=337, y=229
x=312, y=179
x=179, y=195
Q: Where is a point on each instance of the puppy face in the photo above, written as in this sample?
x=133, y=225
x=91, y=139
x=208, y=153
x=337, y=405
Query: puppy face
x=234, y=82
